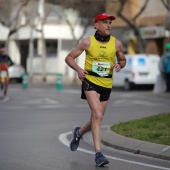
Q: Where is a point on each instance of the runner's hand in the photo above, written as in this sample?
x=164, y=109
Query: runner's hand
x=117, y=67
x=81, y=74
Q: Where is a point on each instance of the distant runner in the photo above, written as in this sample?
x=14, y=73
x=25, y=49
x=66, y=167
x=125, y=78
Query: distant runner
x=4, y=76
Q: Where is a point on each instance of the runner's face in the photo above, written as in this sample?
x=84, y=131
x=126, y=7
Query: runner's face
x=104, y=26
x=2, y=52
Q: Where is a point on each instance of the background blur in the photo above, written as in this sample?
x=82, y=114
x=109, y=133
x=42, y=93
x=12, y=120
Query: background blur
x=38, y=34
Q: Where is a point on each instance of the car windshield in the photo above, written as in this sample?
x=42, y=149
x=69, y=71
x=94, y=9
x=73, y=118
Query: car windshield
x=141, y=61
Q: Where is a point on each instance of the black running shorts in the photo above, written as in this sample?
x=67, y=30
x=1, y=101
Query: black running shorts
x=89, y=86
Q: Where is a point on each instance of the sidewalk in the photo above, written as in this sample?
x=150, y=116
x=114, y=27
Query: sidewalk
x=116, y=141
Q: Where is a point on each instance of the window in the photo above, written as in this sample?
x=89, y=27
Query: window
x=51, y=48
x=35, y=48
x=141, y=61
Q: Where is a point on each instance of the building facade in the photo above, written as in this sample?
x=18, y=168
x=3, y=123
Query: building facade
x=153, y=24
x=43, y=52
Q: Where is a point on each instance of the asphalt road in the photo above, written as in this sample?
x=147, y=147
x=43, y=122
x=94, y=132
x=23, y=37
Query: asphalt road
x=36, y=125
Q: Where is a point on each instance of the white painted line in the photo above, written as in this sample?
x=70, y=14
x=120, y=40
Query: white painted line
x=51, y=101
x=50, y=106
x=146, y=103
x=15, y=107
x=164, y=150
x=132, y=102
x=63, y=139
x=42, y=101
x=5, y=99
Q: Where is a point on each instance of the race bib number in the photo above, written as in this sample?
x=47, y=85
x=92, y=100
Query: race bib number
x=3, y=74
x=101, y=68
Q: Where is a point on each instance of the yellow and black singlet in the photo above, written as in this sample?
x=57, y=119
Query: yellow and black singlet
x=99, y=62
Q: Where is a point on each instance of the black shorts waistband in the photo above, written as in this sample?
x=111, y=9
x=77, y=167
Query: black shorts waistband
x=97, y=86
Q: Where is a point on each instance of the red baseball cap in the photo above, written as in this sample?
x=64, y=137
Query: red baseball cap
x=103, y=16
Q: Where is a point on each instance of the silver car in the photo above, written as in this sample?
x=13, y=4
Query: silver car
x=16, y=71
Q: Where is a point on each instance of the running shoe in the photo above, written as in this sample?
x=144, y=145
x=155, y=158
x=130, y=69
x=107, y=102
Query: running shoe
x=100, y=159
x=74, y=143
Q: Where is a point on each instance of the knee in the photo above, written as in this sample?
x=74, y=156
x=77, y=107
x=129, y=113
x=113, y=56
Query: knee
x=97, y=116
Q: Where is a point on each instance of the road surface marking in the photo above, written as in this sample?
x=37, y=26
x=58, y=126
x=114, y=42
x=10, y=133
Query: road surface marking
x=5, y=99
x=50, y=106
x=42, y=101
x=164, y=150
x=139, y=102
x=63, y=139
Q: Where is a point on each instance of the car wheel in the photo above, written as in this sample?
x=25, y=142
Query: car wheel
x=127, y=85
x=19, y=80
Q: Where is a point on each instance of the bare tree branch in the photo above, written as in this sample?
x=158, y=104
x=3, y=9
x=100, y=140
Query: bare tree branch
x=133, y=24
x=166, y=4
x=15, y=26
x=141, y=11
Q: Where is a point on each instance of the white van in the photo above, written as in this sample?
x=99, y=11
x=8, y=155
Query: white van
x=140, y=69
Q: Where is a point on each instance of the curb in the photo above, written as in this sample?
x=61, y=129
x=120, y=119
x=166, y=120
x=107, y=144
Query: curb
x=111, y=139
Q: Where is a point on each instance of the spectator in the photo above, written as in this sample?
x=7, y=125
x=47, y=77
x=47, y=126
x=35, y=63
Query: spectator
x=165, y=66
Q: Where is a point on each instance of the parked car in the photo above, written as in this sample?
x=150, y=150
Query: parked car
x=16, y=71
x=140, y=69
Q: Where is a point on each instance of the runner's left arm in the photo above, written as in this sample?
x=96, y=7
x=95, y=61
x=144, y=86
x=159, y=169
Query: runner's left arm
x=120, y=57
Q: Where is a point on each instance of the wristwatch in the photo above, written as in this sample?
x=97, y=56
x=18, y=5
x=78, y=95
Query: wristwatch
x=120, y=65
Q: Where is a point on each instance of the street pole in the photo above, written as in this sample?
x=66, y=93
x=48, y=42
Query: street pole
x=31, y=53
x=42, y=40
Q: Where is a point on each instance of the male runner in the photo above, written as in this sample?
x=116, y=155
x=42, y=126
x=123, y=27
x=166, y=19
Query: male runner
x=96, y=76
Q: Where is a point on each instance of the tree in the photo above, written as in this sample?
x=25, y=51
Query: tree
x=21, y=13
x=83, y=12
x=166, y=4
x=132, y=23
x=11, y=18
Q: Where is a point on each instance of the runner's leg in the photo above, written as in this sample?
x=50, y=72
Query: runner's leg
x=6, y=86
x=97, y=113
